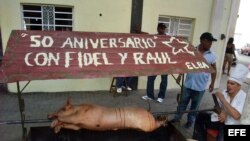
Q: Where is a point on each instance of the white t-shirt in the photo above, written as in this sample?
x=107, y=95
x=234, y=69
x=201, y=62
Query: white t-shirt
x=237, y=103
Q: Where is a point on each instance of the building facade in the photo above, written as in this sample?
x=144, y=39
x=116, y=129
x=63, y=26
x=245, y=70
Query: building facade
x=188, y=19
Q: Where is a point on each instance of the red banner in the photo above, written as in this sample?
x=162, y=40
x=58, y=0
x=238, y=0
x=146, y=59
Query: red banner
x=40, y=55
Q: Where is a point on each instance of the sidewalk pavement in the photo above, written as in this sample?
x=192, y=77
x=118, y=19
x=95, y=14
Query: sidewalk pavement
x=39, y=105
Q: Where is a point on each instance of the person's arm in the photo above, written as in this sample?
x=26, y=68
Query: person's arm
x=228, y=108
x=222, y=116
x=213, y=76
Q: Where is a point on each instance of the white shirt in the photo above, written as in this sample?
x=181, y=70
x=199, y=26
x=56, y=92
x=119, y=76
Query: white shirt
x=237, y=103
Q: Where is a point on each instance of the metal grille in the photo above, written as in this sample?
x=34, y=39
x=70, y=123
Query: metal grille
x=178, y=26
x=47, y=17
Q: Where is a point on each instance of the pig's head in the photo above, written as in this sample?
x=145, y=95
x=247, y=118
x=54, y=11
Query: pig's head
x=67, y=109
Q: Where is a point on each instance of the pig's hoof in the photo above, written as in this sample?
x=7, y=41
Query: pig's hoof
x=54, y=123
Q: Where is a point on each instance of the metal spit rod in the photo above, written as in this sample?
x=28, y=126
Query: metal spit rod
x=25, y=121
x=216, y=109
x=50, y=120
x=155, y=114
x=175, y=112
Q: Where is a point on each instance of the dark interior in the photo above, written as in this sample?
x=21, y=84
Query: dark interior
x=167, y=133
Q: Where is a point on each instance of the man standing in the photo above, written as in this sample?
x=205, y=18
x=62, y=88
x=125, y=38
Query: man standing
x=195, y=83
x=151, y=79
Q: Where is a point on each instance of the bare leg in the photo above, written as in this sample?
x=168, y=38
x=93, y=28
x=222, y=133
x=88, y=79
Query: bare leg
x=229, y=67
x=224, y=66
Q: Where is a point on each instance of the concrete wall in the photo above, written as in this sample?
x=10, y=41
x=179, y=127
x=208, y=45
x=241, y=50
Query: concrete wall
x=245, y=116
x=196, y=9
x=116, y=18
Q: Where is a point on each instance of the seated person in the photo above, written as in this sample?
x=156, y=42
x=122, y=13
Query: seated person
x=121, y=83
x=231, y=102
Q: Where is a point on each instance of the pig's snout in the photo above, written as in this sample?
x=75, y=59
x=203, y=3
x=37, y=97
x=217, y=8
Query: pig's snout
x=52, y=116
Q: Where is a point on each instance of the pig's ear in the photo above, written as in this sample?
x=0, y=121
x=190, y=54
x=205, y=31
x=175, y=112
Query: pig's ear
x=68, y=104
x=69, y=101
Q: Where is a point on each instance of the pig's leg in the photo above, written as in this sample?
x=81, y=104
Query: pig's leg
x=73, y=119
x=70, y=126
x=161, y=121
x=55, y=123
x=58, y=128
x=66, y=126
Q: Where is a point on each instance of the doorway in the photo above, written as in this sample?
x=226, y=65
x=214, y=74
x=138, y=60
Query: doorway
x=3, y=86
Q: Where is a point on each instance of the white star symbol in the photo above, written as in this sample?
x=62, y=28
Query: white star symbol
x=168, y=43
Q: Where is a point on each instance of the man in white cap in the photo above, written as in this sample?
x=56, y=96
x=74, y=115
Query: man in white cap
x=231, y=101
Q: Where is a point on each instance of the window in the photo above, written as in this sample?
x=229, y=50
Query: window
x=46, y=17
x=178, y=26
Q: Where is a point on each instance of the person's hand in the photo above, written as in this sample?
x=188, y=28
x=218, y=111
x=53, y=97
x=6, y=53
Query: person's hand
x=220, y=96
x=222, y=116
x=211, y=88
